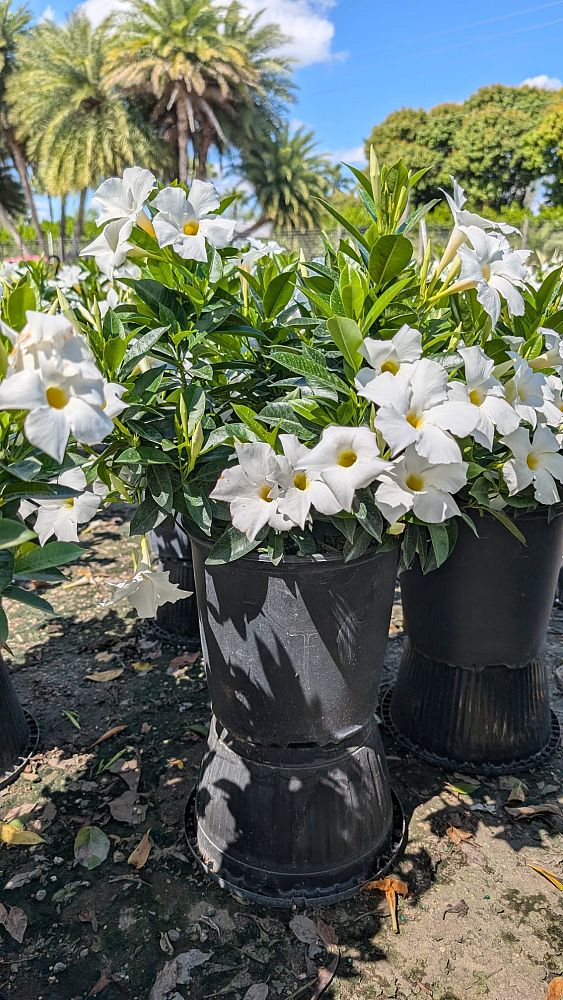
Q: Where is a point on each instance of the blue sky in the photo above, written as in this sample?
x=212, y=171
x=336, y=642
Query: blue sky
x=357, y=60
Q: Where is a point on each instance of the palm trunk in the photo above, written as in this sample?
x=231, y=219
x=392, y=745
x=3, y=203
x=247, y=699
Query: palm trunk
x=62, y=236
x=21, y=167
x=78, y=229
x=8, y=223
x=182, y=123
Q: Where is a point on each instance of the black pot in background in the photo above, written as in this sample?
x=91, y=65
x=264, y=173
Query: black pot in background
x=18, y=730
x=471, y=691
x=171, y=546
x=293, y=803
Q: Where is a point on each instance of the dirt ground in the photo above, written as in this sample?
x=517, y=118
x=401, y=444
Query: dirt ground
x=478, y=921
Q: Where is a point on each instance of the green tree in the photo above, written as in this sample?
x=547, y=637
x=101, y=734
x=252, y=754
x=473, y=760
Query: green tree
x=481, y=141
x=14, y=26
x=543, y=149
x=287, y=175
x=76, y=126
x=204, y=66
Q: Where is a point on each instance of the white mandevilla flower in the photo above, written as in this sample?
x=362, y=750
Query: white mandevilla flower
x=302, y=488
x=383, y=356
x=61, y=518
x=537, y=461
x=110, y=302
x=113, y=404
x=147, y=591
x=186, y=222
x=68, y=276
x=494, y=269
x=552, y=411
x=552, y=357
x=486, y=394
x=415, y=409
x=110, y=248
x=122, y=199
x=62, y=399
x=413, y=484
x=346, y=459
x=259, y=249
x=47, y=338
x=462, y=219
x=252, y=488
x=526, y=391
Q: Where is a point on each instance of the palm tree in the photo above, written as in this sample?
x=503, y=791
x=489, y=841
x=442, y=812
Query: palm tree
x=200, y=62
x=12, y=201
x=14, y=24
x=77, y=127
x=287, y=175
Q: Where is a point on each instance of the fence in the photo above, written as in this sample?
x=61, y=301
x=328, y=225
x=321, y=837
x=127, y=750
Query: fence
x=540, y=236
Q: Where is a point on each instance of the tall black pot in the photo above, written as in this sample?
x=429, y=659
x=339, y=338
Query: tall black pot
x=471, y=691
x=293, y=802
x=18, y=730
x=171, y=545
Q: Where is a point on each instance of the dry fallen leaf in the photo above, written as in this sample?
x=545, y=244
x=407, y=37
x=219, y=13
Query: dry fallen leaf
x=184, y=660
x=139, y=857
x=304, y=928
x=325, y=976
x=14, y=920
x=548, y=811
x=14, y=835
x=145, y=728
x=103, y=676
x=43, y=822
x=104, y=980
x=142, y=666
x=176, y=762
x=392, y=887
x=128, y=808
x=91, y=847
x=457, y=835
x=550, y=876
x=461, y=909
x=258, y=991
x=129, y=770
x=555, y=989
x=20, y=812
x=114, y=731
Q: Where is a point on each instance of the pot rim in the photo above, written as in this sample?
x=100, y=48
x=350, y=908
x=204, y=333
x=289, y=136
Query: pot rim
x=309, y=562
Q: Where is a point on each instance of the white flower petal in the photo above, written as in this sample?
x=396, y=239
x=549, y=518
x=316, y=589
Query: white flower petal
x=203, y=198
x=49, y=430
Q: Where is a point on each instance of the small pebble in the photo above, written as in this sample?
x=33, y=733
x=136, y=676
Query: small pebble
x=118, y=856
x=58, y=861
x=84, y=953
x=59, y=967
x=174, y=935
x=40, y=895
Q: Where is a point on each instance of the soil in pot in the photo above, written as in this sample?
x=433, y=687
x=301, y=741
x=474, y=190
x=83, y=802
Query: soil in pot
x=293, y=800
x=471, y=691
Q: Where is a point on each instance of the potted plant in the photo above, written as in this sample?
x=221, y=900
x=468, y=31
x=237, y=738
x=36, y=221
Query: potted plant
x=172, y=549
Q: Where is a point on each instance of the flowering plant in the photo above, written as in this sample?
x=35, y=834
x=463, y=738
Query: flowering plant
x=339, y=403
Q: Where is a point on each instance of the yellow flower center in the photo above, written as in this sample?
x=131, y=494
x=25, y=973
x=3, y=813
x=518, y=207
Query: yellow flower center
x=56, y=397
x=414, y=419
x=264, y=493
x=347, y=458
x=532, y=461
x=69, y=502
x=486, y=269
x=300, y=480
x=477, y=397
x=191, y=228
x=414, y=482
x=390, y=366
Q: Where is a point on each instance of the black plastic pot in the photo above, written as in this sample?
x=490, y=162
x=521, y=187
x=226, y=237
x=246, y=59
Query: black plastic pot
x=471, y=691
x=19, y=733
x=293, y=803
x=171, y=545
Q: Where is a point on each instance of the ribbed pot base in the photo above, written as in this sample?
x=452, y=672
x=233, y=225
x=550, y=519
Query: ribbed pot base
x=11, y=772
x=489, y=720
x=294, y=826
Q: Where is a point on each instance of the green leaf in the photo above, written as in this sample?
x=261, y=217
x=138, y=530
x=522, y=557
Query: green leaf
x=440, y=540
x=275, y=547
x=29, y=598
x=6, y=569
x=18, y=302
x=139, y=346
x=344, y=222
x=3, y=627
x=232, y=545
x=248, y=417
x=388, y=257
x=114, y=352
x=38, y=557
x=361, y=541
x=302, y=365
x=147, y=516
x=545, y=292
x=91, y=847
x=508, y=524
x=13, y=533
x=348, y=338
x=368, y=514
x=383, y=301
x=160, y=486
x=278, y=294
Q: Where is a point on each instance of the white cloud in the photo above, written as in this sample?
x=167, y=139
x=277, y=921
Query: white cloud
x=305, y=22
x=353, y=154
x=48, y=14
x=543, y=82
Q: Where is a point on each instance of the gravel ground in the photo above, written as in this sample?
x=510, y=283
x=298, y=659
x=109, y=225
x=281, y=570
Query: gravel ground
x=477, y=922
